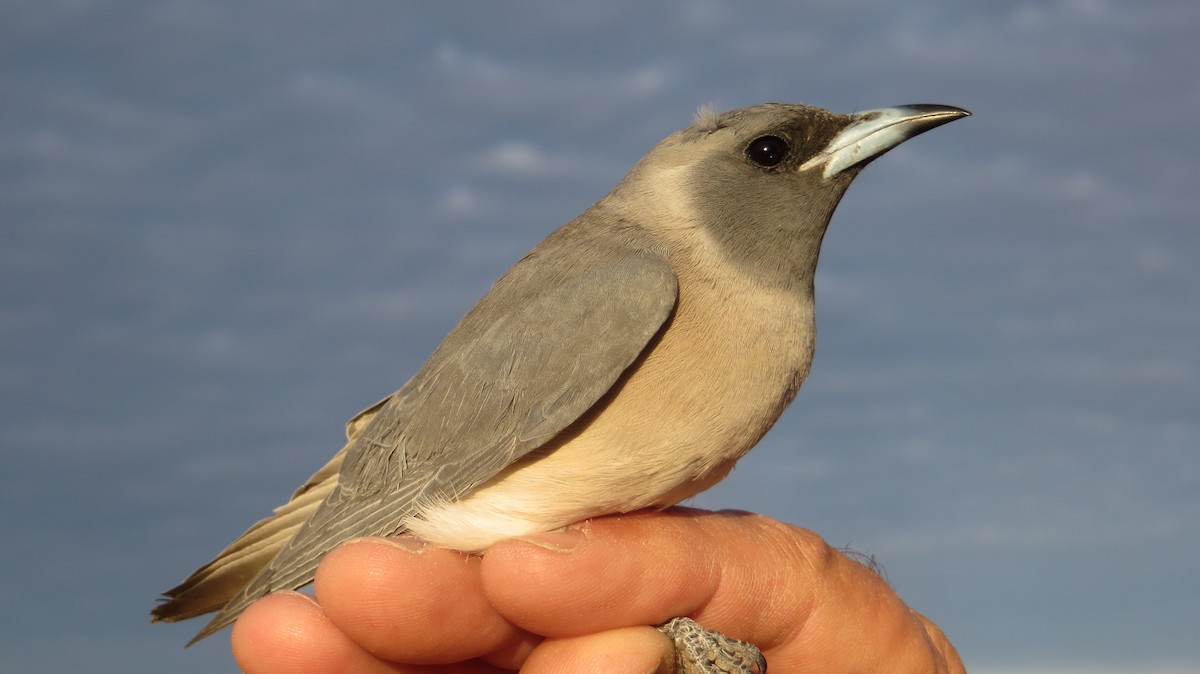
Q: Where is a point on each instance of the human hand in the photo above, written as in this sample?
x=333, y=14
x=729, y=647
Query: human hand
x=581, y=599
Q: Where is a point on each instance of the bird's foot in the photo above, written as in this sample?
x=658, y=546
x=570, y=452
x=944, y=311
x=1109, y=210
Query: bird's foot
x=701, y=651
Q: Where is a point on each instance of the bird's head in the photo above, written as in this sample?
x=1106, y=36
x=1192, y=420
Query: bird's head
x=762, y=182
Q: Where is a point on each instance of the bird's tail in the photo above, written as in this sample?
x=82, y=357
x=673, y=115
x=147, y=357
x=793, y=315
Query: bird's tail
x=212, y=586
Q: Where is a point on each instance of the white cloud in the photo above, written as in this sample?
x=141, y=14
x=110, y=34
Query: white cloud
x=704, y=15
x=472, y=64
x=518, y=158
x=336, y=90
x=460, y=201
x=649, y=79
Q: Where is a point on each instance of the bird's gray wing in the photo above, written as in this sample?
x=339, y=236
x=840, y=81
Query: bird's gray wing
x=542, y=347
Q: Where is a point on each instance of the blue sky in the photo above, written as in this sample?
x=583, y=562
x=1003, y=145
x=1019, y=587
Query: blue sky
x=226, y=227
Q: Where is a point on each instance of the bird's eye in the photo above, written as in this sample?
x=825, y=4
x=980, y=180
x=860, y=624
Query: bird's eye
x=767, y=151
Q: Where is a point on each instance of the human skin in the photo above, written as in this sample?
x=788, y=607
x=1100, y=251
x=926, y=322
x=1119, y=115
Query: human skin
x=582, y=599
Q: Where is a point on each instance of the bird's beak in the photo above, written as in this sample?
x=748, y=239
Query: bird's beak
x=876, y=131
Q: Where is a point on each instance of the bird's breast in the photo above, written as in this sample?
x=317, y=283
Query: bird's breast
x=715, y=380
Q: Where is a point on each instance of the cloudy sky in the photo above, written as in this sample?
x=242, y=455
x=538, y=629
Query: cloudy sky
x=225, y=227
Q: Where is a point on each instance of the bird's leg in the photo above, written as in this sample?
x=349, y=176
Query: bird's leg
x=702, y=651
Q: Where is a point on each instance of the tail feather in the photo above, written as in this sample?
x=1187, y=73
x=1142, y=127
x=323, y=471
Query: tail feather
x=215, y=584
x=212, y=585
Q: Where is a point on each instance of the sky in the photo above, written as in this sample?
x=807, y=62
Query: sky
x=226, y=227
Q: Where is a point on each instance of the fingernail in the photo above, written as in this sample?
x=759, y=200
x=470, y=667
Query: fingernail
x=559, y=540
x=409, y=544
x=294, y=593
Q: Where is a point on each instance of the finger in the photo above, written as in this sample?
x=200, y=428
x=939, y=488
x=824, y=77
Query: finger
x=643, y=568
x=942, y=646
x=407, y=602
x=806, y=605
x=287, y=633
x=627, y=649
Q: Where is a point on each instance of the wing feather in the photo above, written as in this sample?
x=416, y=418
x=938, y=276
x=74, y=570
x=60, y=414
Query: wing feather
x=542, y=347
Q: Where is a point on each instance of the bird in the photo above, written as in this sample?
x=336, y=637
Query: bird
x=627, y=361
